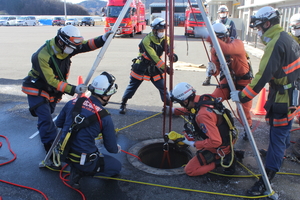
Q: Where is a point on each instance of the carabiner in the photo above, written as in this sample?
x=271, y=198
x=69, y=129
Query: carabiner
x=166, y=146
x=220, y=152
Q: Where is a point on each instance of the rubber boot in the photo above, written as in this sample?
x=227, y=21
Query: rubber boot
x=207, y=81
x=245, y=135
x=123, y=106
x=74, y=178
x=259, y=187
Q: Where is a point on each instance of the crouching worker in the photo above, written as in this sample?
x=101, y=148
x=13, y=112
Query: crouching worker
x=81, y=121
x=210, y=127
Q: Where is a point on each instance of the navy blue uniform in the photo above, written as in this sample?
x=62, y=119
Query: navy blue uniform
x=84, y=142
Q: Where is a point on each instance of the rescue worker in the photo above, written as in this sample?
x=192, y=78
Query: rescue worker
x=295, y=27
x=223, y=13
x=211, y=138
x=235, y=55
x=148, y=65
x=279, y=67
x=47, y=80
x=84, y=157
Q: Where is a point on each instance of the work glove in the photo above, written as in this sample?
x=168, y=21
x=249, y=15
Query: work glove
x=175, y=58
x=211, y=68
x=179, y=139
x=119, y=148
x=235, y=96
x=80, y=89
x=168, y=70
x=106, y=35
x=167, y=110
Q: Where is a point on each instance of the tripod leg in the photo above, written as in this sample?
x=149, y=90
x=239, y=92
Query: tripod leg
x=55, y=142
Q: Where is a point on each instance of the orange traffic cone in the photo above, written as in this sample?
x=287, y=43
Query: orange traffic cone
x=259, y=109
x=79, y=80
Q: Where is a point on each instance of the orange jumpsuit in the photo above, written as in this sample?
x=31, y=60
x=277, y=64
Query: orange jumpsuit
x=238, y=67
x=207, y=120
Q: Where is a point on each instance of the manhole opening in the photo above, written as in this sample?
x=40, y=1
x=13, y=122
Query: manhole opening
x=153, y=156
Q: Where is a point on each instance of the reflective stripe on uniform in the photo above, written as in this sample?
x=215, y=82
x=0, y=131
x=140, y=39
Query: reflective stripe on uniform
x=136, y=76
x=92, y=45
x=292, y=67
x=158, y=77
x=36, y=92
x=140, y=77
x=145, y=56
x=249, y=92
x=160, y=64
x=61, y=86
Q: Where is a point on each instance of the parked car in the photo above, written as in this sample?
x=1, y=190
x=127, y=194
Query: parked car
x=27, y=21
x=59, y=21
x=72, y=21
x=87, y=21
x=8, y=21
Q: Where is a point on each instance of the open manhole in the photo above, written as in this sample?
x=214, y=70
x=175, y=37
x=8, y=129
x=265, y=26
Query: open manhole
x=154, y=160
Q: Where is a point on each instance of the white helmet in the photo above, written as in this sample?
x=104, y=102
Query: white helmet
x=222, y=8
x=262, y=15
x=181, y=92
x=295, y=24
x=103, y=85
x=70, y=36
x=220, y=30
x=158, y=23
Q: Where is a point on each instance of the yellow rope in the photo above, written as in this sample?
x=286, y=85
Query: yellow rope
x=117, y=130
x=185, y=189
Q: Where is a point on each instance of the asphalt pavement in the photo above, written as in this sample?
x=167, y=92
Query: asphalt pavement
x=17, y=46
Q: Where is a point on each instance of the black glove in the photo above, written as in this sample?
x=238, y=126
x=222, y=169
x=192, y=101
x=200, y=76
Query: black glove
x=168, y=70
x=175, y=58
x=106, y=35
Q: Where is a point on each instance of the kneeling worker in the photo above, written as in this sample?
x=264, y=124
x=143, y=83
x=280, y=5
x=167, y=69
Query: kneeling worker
x=83, y=119
x=213, y=135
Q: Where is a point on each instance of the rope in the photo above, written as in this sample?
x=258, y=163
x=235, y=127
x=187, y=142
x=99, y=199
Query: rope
x=184, y=189
x=117, y=130
x=14, y=158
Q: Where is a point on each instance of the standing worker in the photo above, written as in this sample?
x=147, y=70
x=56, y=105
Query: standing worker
x=47, y=80
x=148, y=65
x=239, y=68
x=213, y=135
x=82, y=153
x=279, y=67
x=223, y=13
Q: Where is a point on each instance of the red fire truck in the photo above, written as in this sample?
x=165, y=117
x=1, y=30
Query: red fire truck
x=133, y=21
x=193, y=21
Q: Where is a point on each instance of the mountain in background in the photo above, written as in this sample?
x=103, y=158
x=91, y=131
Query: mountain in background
x=56, y=7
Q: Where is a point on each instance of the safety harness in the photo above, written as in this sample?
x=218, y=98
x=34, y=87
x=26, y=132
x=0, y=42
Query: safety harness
x=64, y=148
x=225, y=124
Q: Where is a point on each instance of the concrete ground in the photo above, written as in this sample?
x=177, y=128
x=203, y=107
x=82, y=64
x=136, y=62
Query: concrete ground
x=133, y=183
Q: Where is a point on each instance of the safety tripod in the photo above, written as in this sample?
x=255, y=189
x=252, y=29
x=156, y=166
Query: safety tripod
x=94, y=67
x=225, y=69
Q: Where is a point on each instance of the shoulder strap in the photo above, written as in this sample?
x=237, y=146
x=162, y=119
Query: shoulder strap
x=54, y=62
x=79, y=122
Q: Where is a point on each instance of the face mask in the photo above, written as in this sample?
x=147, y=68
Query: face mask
x=259, y=33
x=68, y=50
x=160, y=34
x=222, y=15
x=296, y=32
